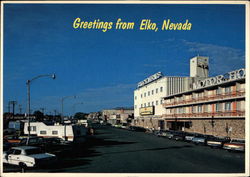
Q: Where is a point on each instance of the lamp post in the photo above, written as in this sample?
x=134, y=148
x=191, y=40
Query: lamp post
x=62, y=100
x=53, y=76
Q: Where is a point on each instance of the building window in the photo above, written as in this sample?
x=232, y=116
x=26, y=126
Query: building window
x=43, y=132
x=227, y=89
x=199, y=108
x=32, y=128
x=135, y=106
x=161, y=101
x=148, y=104
x=54, y=132
x=141, y=105
x=152, y=92
x=218, y=91
x=152, y=103
x=217, y=107
x=141, y=95
x=144, y=94
x=193, y=109
x=135, y=97
x=161, y=89
x=156, y=91
x=156, y=102
x=228, y=106
x=144, y=104
x=148, y=93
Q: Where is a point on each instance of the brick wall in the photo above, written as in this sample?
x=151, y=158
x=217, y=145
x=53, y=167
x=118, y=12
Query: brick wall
x=231, y=128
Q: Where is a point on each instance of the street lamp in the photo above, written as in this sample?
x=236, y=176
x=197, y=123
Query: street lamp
x=53, y=76
x=63, y=98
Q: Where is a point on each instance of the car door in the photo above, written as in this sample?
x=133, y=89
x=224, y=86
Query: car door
x=14, y=158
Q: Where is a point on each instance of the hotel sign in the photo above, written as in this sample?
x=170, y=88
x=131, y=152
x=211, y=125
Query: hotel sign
x=150, y=79
x=147, y=111
x=233, y=75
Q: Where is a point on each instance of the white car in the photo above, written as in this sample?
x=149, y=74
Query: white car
x=27, y=156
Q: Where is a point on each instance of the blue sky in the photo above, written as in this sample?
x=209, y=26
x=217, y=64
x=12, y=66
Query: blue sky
x=103, y=69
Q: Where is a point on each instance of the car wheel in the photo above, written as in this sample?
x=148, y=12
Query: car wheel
x=22, y=165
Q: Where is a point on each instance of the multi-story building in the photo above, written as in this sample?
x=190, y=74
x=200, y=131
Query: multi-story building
x=118, y=115
x=148, y=97
x=215, y=106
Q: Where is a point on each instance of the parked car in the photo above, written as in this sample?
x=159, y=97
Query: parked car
x=27, y=156
x=189, y=136
x=12, y=138
x=217, y=142
x=201, y=139
x=124, y=125
x=33, y=141
x=138, y=129
x=178, y=136
x=235, y=145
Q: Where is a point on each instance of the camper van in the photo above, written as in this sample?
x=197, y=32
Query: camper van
x=74, y=133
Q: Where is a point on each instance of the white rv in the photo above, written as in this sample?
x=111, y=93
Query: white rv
x=67, y=132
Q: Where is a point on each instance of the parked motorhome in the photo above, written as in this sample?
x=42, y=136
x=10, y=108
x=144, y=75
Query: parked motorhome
x=67, y=132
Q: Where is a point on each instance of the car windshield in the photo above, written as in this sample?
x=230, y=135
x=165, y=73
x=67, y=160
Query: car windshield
x=33, y=151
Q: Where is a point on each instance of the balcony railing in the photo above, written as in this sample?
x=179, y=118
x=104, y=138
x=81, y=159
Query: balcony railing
x=235, y=113
x=207, y=98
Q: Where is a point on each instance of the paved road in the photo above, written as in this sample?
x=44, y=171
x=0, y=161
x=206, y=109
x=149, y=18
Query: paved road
x=114, y=150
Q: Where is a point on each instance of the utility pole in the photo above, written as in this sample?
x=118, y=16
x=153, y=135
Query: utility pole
x=9, y=107
x=20, y=109
x=13, y=107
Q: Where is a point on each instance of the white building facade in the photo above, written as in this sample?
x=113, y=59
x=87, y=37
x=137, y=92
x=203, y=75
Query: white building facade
x=148, y=97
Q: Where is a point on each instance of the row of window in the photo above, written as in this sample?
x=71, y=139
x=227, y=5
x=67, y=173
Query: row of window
x=204, y=108
x=218, y=91
x=44, y=132
x=151, y=92
x=150, y=104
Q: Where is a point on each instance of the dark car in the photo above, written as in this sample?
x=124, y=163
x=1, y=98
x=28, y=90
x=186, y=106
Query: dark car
x=33, y=141
x=137, y=129
x=178, y=136
x=217, y=142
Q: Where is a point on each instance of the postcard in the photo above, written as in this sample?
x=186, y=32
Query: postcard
x=125, y=88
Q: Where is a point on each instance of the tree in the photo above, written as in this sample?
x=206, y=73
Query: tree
x=80, y=115
x=39, y=116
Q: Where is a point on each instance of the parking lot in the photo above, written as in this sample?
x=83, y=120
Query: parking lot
x=113, y=150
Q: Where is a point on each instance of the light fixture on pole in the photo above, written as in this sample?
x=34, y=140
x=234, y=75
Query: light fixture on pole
x=28, y=82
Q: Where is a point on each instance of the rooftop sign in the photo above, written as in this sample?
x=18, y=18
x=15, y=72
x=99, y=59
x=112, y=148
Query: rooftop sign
x=150, y=79
x=233, y=75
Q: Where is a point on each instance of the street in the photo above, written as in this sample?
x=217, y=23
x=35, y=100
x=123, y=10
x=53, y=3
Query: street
x=113, y=150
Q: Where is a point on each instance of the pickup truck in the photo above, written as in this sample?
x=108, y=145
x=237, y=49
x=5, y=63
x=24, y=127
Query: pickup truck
x=27, y=156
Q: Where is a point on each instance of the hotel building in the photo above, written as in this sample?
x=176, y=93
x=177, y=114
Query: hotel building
x=148, y=97
x=214, y=106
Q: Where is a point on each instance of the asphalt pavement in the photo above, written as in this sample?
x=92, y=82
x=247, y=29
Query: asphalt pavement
x=113, y=150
